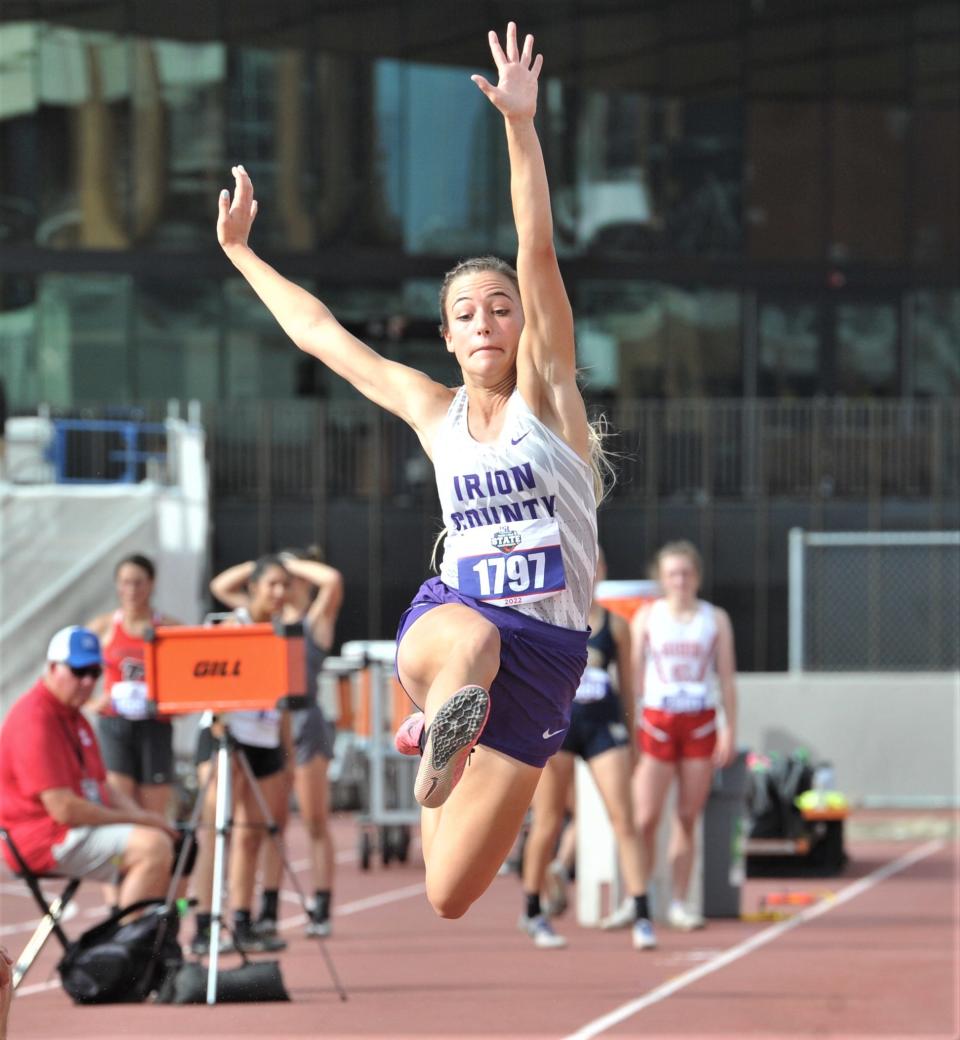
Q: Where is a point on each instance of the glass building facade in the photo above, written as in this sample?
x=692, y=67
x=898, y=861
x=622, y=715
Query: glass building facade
x=753, y=198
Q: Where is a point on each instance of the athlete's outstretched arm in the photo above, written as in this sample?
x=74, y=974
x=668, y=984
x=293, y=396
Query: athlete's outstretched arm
x=406, y=392
x=546, y=363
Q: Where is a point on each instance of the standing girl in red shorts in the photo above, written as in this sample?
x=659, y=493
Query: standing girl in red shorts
x=683, y=663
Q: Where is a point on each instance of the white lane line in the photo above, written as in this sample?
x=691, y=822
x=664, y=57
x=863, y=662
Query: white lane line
x=735, y=953
x=393, y=895
x=38, y=987
x=343, y=856
x=29, y=926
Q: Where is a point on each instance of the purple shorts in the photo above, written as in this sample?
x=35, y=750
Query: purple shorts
x=540, y=668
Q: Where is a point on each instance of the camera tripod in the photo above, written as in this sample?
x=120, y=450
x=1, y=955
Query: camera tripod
x=227, y=752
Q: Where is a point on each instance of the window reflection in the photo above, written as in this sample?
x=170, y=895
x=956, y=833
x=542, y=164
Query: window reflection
x=177, y=141
x=277, y=108
x=786, y=59
x=866, y=347
x=260, y=359
x=789, y=349
x=605, y=171
x=785, y=200
x=936, y=165
x=644, y=174
x=19, y=104
x=82, y=336
x=443, y=161
x=936, y=343
x=84, y=92
x=869, y=152
x=177, y=337
x=654, y=340
x=18, y=355
x=704, y=139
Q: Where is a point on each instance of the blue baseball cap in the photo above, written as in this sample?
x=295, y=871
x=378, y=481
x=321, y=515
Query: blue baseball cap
x=75, y=646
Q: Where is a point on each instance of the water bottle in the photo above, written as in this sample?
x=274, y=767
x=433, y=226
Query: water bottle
x=823, y=783
x=823, y=778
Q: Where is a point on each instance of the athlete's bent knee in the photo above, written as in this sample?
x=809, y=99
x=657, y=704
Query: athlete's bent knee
x=448, y=902
x=687, y=821
x=621, y=824
x=647, y=825
x=449, y=907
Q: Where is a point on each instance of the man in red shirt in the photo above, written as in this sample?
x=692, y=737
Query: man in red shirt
x=55, y=800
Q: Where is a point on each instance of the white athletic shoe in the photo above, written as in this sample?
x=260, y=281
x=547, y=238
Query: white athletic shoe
x=683, y=919
x=541, y=931
x=622, y=917
x=644, y=937
x=322, y=929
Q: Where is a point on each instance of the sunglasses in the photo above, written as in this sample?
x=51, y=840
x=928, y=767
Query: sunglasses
x=91, y=671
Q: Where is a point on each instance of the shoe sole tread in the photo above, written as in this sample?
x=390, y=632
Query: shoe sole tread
x=454, y=731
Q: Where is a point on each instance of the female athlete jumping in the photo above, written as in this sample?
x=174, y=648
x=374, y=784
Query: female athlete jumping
x=492, y=650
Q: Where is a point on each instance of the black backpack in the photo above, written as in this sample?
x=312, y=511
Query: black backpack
x=773, y=811
x=115, y=963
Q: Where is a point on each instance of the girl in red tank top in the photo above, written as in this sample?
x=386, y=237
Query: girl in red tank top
x=678, y=733
x=123, y=671
x=136, y=748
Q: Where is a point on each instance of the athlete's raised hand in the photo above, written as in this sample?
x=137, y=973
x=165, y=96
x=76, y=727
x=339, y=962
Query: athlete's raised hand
x=236, y=216
x=515, y=95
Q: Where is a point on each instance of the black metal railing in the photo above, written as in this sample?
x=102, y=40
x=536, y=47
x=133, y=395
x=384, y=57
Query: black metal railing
x=681, y=450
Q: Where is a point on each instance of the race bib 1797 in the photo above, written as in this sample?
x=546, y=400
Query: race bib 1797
x=513, y=563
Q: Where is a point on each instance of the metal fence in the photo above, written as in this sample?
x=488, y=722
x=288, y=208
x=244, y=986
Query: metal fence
x=875, y=601
x=718, y=449
x=693, y=450
x=732, y=475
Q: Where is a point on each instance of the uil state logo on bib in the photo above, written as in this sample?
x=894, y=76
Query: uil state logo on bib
x=505, y=540
x=526, y=564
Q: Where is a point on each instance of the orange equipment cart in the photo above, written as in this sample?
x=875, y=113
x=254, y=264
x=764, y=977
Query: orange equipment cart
x=192, y=668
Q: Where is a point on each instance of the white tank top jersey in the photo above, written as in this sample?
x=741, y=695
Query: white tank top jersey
x=520, y=516
x=680, y=673
x=256, y=728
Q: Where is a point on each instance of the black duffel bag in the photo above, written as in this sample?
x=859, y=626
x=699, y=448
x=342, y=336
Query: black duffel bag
x=115, y=962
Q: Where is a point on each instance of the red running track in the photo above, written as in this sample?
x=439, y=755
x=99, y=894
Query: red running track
x=878, y=957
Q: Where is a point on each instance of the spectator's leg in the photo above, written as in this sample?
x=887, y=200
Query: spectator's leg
x=549, y=802
x=146, y=866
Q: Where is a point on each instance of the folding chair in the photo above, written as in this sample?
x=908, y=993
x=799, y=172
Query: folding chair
x=51, y=911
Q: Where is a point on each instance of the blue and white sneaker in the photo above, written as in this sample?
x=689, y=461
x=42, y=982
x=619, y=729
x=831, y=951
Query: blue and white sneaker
x=541, y=931
x=644, y=937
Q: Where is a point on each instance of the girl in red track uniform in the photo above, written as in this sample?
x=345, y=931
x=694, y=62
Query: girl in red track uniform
x=683, y=656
